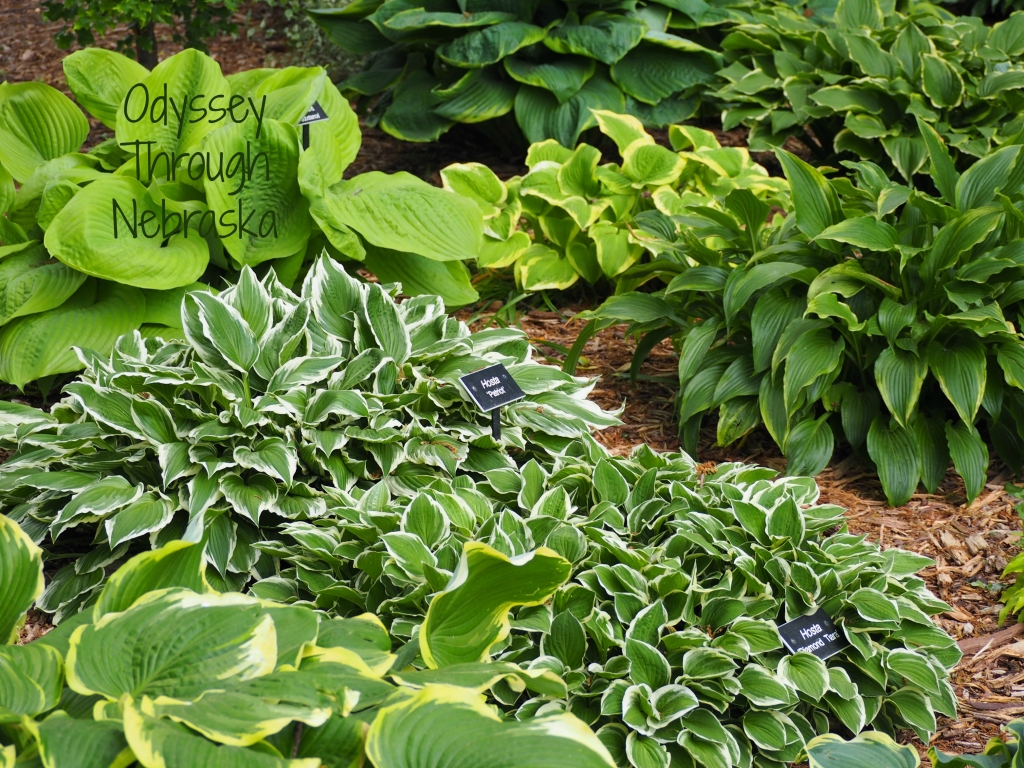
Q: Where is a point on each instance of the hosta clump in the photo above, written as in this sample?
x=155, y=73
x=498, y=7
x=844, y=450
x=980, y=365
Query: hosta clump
x=571, y=217
x=163, y=672
x=99, y=243
x=273, y=407
x=858, y=82
x=666, y=634
x=874, y=311
x=437, y=63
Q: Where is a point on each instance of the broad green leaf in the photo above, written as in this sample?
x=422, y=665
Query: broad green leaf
x=445, y=725
x=942, y=83
x=93, y=318
x=959, y=365
x=541, y=116
x=816, y=203
x=188, y=639
x=899, y=375
x=32, y=680
x=68, y=742
x=870, y=748
x=943, y=171
x=563, y=77
x=260, y=210
x=37, y=123
x=21, y=573
x=149, y=114
x=176, y=564
x=480, y=95
x=977, y=185
x=114, y=229
x=894, y=451
x=471, y=614
x=403, y=213
x=100, y=80
x=970, y=456
x=652, y=73
x=411, y=115
x=490, y=45
x=863, y=232
x=157, y=741
x=809, y=447
x=602, y=36
x=932, y=449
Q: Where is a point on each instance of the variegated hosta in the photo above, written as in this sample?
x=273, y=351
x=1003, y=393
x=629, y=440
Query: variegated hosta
x=666, y=635
x=273, y=409
x=163, y=672
x=571, y=218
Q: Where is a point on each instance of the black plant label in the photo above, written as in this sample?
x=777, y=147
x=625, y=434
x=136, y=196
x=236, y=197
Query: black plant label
x=813, y=634
x=492, y=387
x=314, y=115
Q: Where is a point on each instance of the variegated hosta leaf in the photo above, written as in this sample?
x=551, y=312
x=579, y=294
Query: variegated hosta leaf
x=471, y=615
x=831, y=751
x=21, y=574
x=406, y=734
x=187, y=639
x=31, y=679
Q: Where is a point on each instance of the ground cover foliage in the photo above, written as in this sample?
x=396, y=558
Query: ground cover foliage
x=317, y=448
x=573, y=217
x=545, y=63
x=164, y=672
x=241, y=191
x=874, y=310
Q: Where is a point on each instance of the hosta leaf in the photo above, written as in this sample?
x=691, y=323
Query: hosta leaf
x=959, y=365
x=601, y=36
x=471, y=615
x=651, y=73
x=21, y=573
x=863, y=232
x=411, y=116
x=490, y=45
x=541, y=116
x=899, y=375
x=100, y=80
x=42, y=344
x=978, y=184
x=809, y=447
x=894, y=451
x=189, y=639
x=406, y=735
x=871, y=748
x=96, y=743
x=267, y=216
x=816, y=203
x=401, y=212
x=114, y=243
x=386, y=325
x=481, y=94
x=942, y=83
x=142, y=117
x=176, y=564
x=563, y=78
x=226, y=330
x=37, y=123
x=147, y=514
x=970, y=456
x=33, y=678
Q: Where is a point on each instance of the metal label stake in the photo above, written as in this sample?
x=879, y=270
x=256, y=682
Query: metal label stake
x=315, y=114
x=490, y=388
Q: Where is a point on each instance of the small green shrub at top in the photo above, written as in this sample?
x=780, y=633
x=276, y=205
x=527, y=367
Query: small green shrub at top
x=96, y=244
x=875, y=311
x=858, y=82
x=573, y=217
x=448, y=61
x=164, y=672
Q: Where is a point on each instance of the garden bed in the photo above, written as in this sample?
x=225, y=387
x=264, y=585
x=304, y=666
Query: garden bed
x=970, y=543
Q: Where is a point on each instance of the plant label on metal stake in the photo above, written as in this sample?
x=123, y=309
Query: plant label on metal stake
x=813, y=634
x=490, y=388
x=314, y=115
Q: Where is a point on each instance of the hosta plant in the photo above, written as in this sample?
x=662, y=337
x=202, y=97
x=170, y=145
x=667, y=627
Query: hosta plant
x=875, y=312
x=478, y=61
x=857, y=83
x=573, y=217
x=95, y=244
x=273, y=406
x=666, y=634
x=164, y=672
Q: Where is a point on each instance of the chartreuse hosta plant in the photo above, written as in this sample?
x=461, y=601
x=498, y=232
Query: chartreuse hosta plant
x=206, y=174
x=858, y=82
x=878, y=749
x=164, y=672
x=572, y=217
x=666, y=634
x=874, y=311
x=273, y=407
x=442, y=62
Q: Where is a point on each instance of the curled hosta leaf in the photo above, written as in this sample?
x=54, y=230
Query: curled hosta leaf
x=21, y=573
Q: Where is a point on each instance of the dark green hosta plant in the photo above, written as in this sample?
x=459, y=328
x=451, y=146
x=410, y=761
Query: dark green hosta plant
x=571, y=217
x=876, y=312
x=858, y=85
x=164, y=672
x=273, y=405
x=441, y=62
x=666, y=633
x=96, y=244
